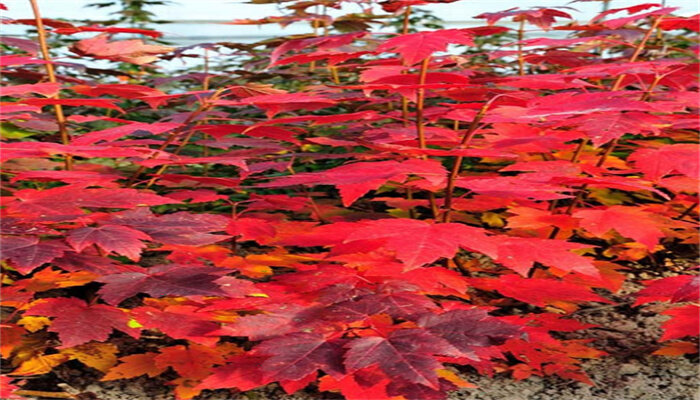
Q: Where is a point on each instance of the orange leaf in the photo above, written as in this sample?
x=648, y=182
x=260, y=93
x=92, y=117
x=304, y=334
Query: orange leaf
x=101, y=356
x=40, y=364
x=676, y=349
x=133, y=366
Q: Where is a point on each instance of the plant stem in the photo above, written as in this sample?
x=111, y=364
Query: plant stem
x=50, y=72
x=686, y=212
x=334, y=74
x=406, y=20
x=204, y=106
x=420, y=100
x=521, y=60
x=464, y=143
x=611, y=146
x=420, y=125
x=39, y=393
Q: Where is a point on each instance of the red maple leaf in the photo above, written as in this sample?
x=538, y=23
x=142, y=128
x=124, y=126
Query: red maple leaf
x=468, y=329
x=111, y=238
x=671, y=158
x=538, y=291
x=68, y=200
x=416, y=47
x=77, y=322
x=133, y=51
x=684, y=322
x=179, y=322
x=241, y=372
x=181, y=228
x=28, y=253
x=355, y=180
x=540, y=16
x=407, y=354
x=427, y=242
x=163, y=280
x=299, y=354
x=632, y=222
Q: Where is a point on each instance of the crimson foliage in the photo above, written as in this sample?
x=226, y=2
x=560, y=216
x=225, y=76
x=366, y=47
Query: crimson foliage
x=357, y=210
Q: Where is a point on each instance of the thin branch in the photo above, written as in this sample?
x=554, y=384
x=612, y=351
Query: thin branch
x=51, y=73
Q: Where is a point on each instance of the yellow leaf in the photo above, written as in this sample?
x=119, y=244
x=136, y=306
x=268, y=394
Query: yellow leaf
x=30, y=347
x=40, y=364
x=134, y=324
x=453, y=378
x=186, y=389
x=33, y=324
x=494, y=220
x=101, y=356
x=608, y=197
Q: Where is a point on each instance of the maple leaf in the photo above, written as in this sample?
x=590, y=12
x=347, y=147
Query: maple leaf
x=520, y=254
x=601, y=128
x=241, y=371
x=101, y=356
x=99, y=103
x=515, y=187
x=135, y=365
x=559, y=106
x=39, y=364
x=68, y=200
x=120, y=90
x=7, y=389
x=632, y=222
x=299, y=354
x=12, y=59
x=620, y=22
x=133, y=51
x=538, y=291
x=657, y=163
x=77, y=322
x=330, y=41
x=427, y=242
x=540, y=16
x=684, y=322
x=367, y=383
x=285, y=319
x=108, y=29
x=178, y=322
x=47, y=89
x=274, y=104
x=355, y=180
x=691, y=23
x=180, y=228
x=111, y=238
x=111, y=134
x=405, y=354
x=28, y=253
x=72, y=261
x=398, y=305
x=90, y=178
x=416, y=47
x=162, y=280
x=395, y=5
x=688, y=292
x=192, y=362
x=468, y=329
x=672, y=288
